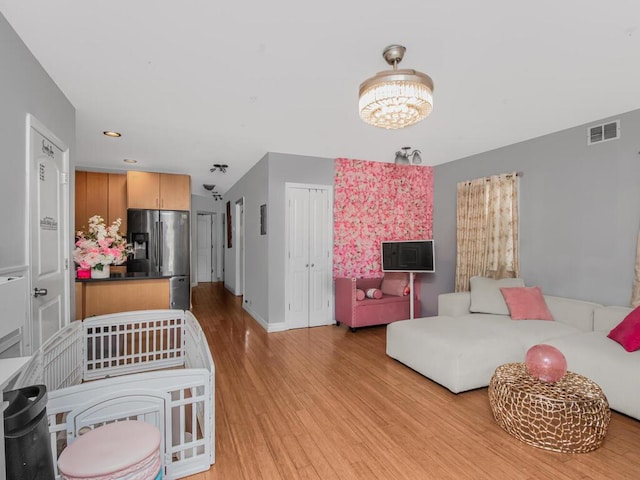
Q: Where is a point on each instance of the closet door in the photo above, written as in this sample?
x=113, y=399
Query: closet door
x=319, y=268
x=309, y=257
x=298, y=301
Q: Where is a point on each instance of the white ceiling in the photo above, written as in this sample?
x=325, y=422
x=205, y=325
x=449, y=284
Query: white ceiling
x=191, y=83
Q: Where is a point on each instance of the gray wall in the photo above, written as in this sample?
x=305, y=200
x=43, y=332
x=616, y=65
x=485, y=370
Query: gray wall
x=253, y=187
x=579, y=213
x=285, y=168
x=25, y=88
x=265, y=254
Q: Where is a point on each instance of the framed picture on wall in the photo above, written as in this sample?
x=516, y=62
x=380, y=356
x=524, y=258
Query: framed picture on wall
x=229, y=233
x=263, y=219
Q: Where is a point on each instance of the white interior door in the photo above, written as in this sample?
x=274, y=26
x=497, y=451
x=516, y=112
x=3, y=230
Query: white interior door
x=309, y=257
x=319, y=268
x=298, y=301
x=205, y=248
x=48, y=187
x=240, y=247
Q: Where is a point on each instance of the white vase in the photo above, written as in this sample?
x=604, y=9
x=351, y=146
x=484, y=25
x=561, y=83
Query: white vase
x=104, y=273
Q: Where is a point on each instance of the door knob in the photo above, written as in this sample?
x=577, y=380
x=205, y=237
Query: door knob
x=312, y=265
x=37, y=292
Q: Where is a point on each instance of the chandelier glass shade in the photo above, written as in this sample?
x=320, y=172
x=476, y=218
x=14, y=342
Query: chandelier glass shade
x=395, y=98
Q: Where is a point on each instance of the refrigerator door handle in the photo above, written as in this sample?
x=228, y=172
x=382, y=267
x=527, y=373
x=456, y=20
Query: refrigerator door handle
x=160, y=236
x=155, y=236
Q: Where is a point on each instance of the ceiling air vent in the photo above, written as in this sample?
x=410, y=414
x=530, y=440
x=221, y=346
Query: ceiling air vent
x=603, y=133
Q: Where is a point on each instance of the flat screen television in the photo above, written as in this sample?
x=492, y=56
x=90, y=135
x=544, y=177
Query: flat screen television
x=408, y=256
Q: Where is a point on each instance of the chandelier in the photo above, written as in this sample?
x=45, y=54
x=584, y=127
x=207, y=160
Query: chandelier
x=395, y=98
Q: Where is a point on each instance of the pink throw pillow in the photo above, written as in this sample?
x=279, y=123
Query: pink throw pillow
x=374, y=293
x=627, y=332
x=359, y=294
x=526, y=303
x=394, y=283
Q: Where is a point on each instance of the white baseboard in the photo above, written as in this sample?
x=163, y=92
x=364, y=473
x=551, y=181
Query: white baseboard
x=230, y=288
x=272, y=327
x=269, y=327
x=277, y=327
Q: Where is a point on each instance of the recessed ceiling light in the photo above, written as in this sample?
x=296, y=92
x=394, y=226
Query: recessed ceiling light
x=109, y=133
x=130, y=160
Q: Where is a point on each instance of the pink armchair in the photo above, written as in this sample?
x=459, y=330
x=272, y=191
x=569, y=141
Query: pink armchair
x=369, y=311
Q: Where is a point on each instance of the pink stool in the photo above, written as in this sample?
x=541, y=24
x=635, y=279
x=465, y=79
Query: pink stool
x=128, y=450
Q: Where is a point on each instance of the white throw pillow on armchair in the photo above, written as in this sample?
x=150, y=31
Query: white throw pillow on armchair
x=486, y=296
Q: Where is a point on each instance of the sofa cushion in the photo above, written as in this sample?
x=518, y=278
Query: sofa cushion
x=359, y=294
x=463, y=352
x=627, y=332
x=533, y=332
x=460, y=353
x=605, y=362
x=486, y=296
x=384, y=299
x=577, y=313
x=526, y=303
x=395, y=283
x=606, y=318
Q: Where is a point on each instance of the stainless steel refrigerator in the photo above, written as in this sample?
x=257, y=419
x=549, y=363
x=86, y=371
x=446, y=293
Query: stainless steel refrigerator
x=160, y=240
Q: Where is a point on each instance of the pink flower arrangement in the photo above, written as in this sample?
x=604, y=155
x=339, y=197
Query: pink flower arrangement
x=101, y=245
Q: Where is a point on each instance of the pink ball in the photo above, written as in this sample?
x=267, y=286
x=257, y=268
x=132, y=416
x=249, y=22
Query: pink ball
x=546, y=363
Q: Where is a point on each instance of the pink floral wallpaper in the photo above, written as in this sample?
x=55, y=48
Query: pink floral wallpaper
x=377, y=201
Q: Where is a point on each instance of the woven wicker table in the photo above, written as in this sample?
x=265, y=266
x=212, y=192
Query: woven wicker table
x=570, y=415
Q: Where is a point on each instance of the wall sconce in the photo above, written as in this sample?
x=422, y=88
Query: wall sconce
x=403, y=157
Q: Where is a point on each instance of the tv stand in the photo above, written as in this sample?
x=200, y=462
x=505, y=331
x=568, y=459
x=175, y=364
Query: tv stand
x=411, y=299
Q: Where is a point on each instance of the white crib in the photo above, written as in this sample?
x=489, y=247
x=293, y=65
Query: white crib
x=152, y=365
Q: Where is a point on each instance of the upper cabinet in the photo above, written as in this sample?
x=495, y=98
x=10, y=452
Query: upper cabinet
x=103, y=194
x=158, y=191
x=118, y=200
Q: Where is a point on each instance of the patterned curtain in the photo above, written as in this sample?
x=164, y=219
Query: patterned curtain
x=635, y=295
x=502, y=241
x=487, y=235
x=472, y=231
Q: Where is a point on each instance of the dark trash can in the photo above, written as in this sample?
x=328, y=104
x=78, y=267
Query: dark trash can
x=26, y=435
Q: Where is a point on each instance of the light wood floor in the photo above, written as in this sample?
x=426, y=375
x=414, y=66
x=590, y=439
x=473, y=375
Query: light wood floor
x=325, y=403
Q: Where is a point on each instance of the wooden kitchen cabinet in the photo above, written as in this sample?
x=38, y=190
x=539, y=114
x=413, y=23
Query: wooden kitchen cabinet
x=97, y=195
x=79, y=301
x=118, y=200
x=175, y=192
x=81, y=201
x=114, y=296
x=103, y=194
x=143, y=190
x=158, y=191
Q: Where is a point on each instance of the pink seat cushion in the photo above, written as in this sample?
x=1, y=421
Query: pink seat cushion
x=526, y=303
x=627, y=332
x=113, y=451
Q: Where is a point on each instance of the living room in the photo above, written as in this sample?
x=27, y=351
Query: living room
x=579, y=204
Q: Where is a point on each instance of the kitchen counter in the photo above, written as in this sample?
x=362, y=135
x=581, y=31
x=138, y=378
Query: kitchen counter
x=126, y=276
x=121, y=292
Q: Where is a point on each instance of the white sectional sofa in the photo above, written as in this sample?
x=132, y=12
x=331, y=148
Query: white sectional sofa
x=461, y=350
